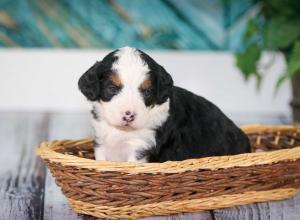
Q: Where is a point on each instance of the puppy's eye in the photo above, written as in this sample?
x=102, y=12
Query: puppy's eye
x=147, y=93
x=112, y=89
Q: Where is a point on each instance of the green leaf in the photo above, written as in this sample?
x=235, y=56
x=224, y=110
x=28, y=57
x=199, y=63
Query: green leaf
x=281, y=32
x=247, y=60
x=293, y=65
x=251, y=30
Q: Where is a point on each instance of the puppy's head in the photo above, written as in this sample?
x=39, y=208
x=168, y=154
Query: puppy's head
x=128, y=87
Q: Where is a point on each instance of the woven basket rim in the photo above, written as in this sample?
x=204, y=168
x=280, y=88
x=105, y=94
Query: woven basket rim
x=47, y=152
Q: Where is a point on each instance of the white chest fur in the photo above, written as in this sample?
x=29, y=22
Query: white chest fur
x=120, y=145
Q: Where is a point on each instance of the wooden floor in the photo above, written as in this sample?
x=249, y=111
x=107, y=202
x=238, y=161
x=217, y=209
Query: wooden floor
x=27, y=190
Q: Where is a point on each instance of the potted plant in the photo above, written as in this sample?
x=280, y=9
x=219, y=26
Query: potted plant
x=277, y=28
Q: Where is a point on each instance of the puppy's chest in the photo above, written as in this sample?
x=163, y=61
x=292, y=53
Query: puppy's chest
x=123, y=145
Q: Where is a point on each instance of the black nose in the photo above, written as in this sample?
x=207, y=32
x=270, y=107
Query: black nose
x=129, y=116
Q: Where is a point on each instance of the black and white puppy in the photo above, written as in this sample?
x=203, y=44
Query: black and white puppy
x=139, y=116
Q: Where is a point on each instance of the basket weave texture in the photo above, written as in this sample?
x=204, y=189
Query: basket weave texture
x=130, y=190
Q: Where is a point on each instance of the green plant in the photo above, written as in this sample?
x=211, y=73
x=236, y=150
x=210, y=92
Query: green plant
x=276, y=28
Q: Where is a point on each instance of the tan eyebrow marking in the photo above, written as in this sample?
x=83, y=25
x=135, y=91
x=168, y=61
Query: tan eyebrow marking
x=115, y=79
x=146, y=84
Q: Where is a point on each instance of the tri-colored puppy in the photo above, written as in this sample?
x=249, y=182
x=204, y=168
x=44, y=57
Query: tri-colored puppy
x=140, y=116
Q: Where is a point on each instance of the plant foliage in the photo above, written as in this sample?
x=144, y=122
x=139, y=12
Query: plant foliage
x=276, y=27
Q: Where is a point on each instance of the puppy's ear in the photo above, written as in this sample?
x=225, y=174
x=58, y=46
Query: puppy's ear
x=164, y=85
x=89, y=83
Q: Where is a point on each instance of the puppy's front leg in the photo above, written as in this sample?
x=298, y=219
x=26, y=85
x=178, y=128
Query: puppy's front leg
x=99, y=152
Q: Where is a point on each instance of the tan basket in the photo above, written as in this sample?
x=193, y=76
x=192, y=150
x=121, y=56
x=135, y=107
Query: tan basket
x=128, y=190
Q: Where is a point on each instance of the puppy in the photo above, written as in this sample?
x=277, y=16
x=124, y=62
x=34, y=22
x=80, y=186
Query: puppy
x=139, y=116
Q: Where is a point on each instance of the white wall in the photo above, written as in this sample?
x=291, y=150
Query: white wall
x=46, y=79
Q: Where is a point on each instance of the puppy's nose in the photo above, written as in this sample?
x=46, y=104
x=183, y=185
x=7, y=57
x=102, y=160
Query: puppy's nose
x=129, y=116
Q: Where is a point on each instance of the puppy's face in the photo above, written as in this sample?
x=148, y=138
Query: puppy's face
x=127, y=87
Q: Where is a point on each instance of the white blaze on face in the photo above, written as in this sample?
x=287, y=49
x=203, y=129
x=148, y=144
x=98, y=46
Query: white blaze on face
x=132, y=72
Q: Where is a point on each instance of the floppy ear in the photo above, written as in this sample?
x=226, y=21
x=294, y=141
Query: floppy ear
x=164, y=85
x=89, y=83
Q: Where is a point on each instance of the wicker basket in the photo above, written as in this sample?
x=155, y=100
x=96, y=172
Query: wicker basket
x=129, y=190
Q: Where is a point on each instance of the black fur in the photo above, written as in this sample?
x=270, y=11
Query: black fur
x=195, y=128
x=95, y=81
x=161, y=80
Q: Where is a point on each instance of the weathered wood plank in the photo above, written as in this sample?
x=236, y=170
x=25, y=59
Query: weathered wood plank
x=63, y=126
x=22, y=174
x=183, y=216
x=284, y=210
x=290, y=208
